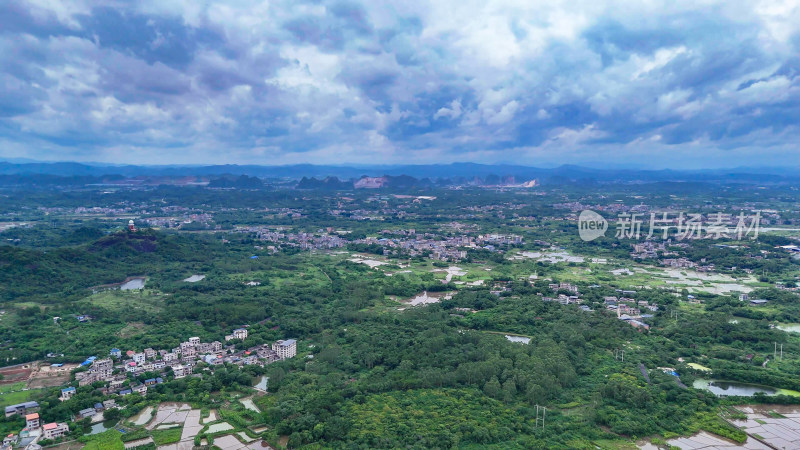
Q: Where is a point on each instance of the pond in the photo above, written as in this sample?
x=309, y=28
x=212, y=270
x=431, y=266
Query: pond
x=143, y=417
x=701, y=440
x=520, y=339
x=429, y=297
x=99, y=427
x=248, y=403
x=789, y=327
x=217, y=427
x=370, y=262
x=194, y=278
x=553, y=257
x=132, y=284
x=262, y=384
x=728, y=388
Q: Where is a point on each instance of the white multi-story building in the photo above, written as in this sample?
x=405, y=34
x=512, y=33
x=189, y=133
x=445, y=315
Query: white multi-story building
x=67, y=393
x=32, y=421
x=240, y=333
x=181, y=371
x=139, y=358
x=102, y=365
x=285, y=349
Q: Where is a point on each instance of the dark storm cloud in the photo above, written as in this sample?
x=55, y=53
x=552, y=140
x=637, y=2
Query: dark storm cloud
x=153, y=39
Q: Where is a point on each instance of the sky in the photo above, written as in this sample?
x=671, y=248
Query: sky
x=654, y=84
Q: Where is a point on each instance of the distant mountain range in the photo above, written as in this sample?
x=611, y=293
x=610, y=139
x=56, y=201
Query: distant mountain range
x=333, y=177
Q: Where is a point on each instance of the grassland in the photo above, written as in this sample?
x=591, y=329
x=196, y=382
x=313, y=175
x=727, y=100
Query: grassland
x=11, y=398
x=164, y=437
x=144, y=300
x=107, y=440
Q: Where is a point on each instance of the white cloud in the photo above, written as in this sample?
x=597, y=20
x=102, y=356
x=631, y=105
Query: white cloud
x=440, y=79
x=453, y=112
x=661, y=58
x=505, y=114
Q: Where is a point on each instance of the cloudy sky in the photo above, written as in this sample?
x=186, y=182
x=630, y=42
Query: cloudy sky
x=652, y=83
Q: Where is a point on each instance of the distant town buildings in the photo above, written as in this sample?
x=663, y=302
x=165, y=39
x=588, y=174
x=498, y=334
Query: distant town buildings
x=398, y=242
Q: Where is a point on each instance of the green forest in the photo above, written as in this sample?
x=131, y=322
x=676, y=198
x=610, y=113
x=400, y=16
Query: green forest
x=373, y=371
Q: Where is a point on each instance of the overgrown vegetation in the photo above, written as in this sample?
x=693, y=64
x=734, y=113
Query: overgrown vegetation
x=377, y=373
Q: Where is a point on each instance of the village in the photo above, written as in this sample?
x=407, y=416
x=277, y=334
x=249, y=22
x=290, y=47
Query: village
x=400, y=243
x=115, y=376
x=635, y=312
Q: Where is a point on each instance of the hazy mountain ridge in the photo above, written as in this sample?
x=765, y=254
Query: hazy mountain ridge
x=338, y=177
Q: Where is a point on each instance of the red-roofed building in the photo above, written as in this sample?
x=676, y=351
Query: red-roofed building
x=55, y=430
x=32, y=421
x=10, y=440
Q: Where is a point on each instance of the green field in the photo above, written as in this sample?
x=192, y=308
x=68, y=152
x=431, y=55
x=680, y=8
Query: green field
x=5, y=388
x=107, y=440
x=164, y=437
x=12, y=398
x=142, y=300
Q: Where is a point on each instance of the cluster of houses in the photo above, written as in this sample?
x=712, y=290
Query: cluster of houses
x=625, y=306
x=305, y=241
x=564, y=286
x=630, y=309
x=752, y=301
x=684, y=263
x=114, y=370
x=450, y=248
x=564, y=299
x=34, y=428
x=650, y=249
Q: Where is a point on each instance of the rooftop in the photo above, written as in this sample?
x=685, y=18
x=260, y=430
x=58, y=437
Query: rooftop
x=12, y=408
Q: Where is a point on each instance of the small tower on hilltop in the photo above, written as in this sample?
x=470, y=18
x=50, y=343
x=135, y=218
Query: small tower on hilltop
x=131, y=225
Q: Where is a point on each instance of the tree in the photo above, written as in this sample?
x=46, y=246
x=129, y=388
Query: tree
x=112, y=414
x=492, y=388
x=509, y=390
